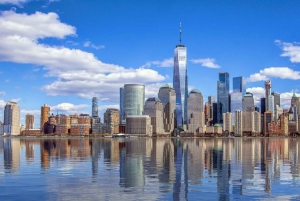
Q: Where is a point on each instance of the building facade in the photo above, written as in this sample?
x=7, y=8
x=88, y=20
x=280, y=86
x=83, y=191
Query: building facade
x=12, y=118
x=45, y=113
x=238, y=126
x=111, y=118
x=248, y=103
x=167, y=97
x=95, y=107
x=155, y=110
x=195, y=118
x=267, y=93
x=29, y=121
x=223, y=95
x=227, y=122
x=138, y=125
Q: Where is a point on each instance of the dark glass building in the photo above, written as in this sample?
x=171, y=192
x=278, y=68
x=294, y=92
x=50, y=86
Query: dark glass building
x=223, y=95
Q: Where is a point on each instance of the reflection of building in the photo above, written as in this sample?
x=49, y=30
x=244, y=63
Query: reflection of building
x=11, y=153
x=12, y=118
x=45, y=113
x=82, y=127
x=180, y=83
x=29, y=121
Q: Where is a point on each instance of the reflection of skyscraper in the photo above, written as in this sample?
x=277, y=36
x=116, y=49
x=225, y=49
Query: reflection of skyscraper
x=12, y=153
x=223, y=95
x=180, y=83
x=95, y=107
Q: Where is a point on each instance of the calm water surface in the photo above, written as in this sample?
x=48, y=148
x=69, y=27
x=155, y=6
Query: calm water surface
x=149, y=169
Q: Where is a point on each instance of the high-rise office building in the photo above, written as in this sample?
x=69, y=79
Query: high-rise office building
x=122, y=119
x=267, y=93
x=45, y=113
x=262, y=105
x=238, y=126
x=227, y=122
x=268, y=117
x=239, y=85
x=95, y=107
x=271, y=104
x=180, y=83
x=248, y=102
x=167, y=97
x=195, y=118
x=12, y=118
x=236, y=103
x=276, y=103
x=111, y=119
x=209, y=110
x=29, y=121
x=155, y=110
x=133, y=100
x=223, y=95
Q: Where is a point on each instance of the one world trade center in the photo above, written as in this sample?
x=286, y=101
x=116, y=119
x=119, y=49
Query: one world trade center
x=180, y=84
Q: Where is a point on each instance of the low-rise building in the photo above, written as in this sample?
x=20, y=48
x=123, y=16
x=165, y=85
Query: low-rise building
x=138, y=125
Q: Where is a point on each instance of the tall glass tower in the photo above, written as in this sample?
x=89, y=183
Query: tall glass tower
x=180, y=83
x=95, y=107
x=238, y=92
x=223, y=95
x=239, y=85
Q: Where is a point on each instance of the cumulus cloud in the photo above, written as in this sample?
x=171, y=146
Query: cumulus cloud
x=164, y=63
x=89, y=44
x=69, y=108
x=16, y=2
x=258, y=93
x=77, y=72
x=15, y=100
x=274, y=72
x=291, y=50
x=207, y=62
x=2, y=93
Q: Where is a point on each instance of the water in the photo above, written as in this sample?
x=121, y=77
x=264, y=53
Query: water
x=149, y=169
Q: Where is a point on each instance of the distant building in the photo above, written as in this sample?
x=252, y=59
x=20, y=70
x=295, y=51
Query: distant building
x=12, y=118
x=138, y=125
x=133, y=100
x=95, y=107
x=111, y=118
x=122, y=118
x=195, y=117
x=227, y=122
x=268, y=118
x=238, y=126
x=155, y=110
x=267, y=93
x=82, y=127
x=262, y=105
x=29, y=121
x=248, y=103
x=167, y=97
x=236, y=103
x=45, y=113
x=223, y=95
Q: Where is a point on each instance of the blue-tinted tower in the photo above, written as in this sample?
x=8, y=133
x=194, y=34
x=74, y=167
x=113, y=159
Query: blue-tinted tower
x=223, y=95
x=180, y=84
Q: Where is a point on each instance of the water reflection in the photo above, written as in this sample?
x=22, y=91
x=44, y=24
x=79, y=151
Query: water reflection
x=159, y=168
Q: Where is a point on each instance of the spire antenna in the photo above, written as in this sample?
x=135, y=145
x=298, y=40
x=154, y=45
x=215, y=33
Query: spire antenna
x=180, y=33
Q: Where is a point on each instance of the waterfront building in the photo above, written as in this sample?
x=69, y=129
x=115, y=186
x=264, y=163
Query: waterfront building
x=267, y=93
x=268, y=117
x=133, y=100
x=180, y=83
x=63, y=124
x=256, y=122
x=227, y=122
x=248, y=102
x=122, y=119
x=238, y=126
x=111, y=118
x=167, y=97
x=29, y=121
x=12, y=118
x=95, y=107
x=82, y=127
x=45, y=113
x=223, y=95
x=195, y=118
x=138, y=125
x=155, y=110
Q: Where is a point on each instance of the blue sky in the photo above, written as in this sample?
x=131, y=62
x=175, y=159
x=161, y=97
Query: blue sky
x=64, y=52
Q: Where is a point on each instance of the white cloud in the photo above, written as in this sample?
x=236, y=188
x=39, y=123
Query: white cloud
x=15, y=100
x=207, y=62
x=33, y=112
x=77, y=72
x=89, y=44
x=69, y=108
x=2, y=104
x=164, y=63
x=291, y=50
x=285, y=99
x=274, y=72
x=16, y=2
x=2, y=93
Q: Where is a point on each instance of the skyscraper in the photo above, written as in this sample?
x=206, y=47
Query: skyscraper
x=267, y=93
x=238, y=92
x=155, y=110
x=122, y=120
x=167, y=97
x=223, y=95
x=45, y=113
x=239, y=85
x=29, y=121
x=248, y=102
x=12, y=118
x=133, y=100
x=195, y=118
x=95, y=107
x=180, y=83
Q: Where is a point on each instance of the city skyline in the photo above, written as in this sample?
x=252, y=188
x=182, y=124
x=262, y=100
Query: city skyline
x=77, y=58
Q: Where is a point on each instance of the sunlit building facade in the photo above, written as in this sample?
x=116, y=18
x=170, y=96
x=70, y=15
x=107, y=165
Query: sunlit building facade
x=12, y=118
x=195, y=118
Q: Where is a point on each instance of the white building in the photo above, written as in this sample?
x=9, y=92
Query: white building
x=238, y=128
x=227, y=122
x=12, y=118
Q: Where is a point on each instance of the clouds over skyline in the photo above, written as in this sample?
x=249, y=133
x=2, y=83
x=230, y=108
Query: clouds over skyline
x=274, y=72
x=206, y=62
x=77, y=71
x=291, y=50
x=16, y=2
